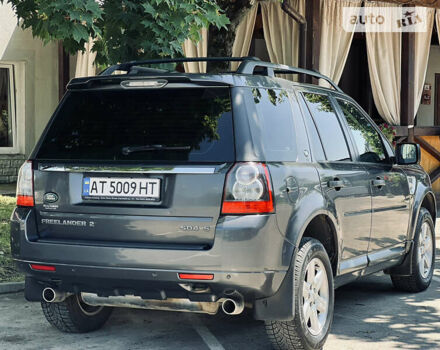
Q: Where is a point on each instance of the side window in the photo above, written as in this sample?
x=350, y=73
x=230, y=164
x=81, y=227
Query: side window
x=274, y=123
x=367, y=139
x=329, y=128
x=313, y=136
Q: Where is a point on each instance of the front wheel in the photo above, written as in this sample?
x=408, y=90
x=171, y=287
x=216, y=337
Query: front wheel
x=423, y=257
x=314, y=301
x=74, y=316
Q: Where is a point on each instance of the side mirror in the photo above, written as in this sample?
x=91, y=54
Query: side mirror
x=408, y=153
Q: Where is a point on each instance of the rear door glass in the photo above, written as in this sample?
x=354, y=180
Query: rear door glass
x=172, y=125
x=329, y=128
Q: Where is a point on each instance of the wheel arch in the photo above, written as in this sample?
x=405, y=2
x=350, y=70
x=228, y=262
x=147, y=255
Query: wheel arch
x=429, y=203
x=423, y=199
x=322, y=225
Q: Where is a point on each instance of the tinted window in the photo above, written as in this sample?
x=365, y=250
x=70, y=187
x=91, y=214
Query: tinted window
x=274, y=122
x=314, y=140
x=6, y=111
x=98, y=125
x=327, y=123
x=367, y=139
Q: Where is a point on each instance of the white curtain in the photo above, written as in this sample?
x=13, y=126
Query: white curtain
x=335, y=40
x=437, y=17
x=384, y=57
x=196, y=50
x=243, y=36
x=281, y=32
x=85, y=66
x=422, y=47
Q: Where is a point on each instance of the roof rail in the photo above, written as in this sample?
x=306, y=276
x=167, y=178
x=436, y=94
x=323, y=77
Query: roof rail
x=127, y=65
x=248, y=67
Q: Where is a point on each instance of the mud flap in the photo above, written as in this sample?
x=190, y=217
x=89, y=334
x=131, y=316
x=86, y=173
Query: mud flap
x=405, y=268
x=33, y=290
x=281, y=305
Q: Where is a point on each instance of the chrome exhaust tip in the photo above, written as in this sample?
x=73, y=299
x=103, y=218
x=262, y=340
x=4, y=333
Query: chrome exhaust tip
x=51, y=295
x=234, y=305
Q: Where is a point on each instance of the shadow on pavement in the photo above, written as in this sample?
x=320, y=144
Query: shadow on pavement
x=378, y=312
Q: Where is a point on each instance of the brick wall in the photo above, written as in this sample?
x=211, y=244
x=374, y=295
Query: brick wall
x=9, y=165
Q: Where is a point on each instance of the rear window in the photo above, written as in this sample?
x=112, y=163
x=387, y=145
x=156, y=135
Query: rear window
x=168, y=125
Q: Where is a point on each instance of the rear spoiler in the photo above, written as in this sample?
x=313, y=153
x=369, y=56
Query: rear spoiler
x=107, y=81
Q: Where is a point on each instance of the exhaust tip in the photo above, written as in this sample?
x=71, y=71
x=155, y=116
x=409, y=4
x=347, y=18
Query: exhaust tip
x=49, y=295
x=233, y=304
x=229, y=307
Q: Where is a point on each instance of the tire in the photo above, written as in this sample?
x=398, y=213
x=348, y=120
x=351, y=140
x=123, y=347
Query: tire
x=73, y=316
x=418, y=281
x=301, y=334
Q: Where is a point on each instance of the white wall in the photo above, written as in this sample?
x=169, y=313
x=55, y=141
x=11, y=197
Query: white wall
x=37, y=92
x=425, y=115
x=8, y=22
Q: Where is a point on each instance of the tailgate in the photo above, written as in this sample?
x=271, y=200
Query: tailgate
x=185, y=212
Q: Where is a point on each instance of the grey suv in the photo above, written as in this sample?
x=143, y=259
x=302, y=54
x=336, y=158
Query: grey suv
x=193, y=192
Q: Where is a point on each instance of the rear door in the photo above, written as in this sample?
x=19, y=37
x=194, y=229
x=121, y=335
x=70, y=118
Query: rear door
x=388, y=182
x=343, y=181
x=135, y=167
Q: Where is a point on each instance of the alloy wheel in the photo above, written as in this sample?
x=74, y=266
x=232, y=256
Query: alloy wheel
x=315, y=296
x=425, y=250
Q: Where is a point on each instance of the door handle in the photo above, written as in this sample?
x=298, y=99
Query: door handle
x=336, y=184
x=378, y=182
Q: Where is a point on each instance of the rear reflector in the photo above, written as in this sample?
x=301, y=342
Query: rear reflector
x=196, y=276
x=42, y=267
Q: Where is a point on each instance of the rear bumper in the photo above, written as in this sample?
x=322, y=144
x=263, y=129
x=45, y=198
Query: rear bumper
x=249, y=255
x=150, y=284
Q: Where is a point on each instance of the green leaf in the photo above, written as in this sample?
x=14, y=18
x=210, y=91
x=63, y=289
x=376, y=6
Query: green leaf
x=79, y=33
x=149, y=9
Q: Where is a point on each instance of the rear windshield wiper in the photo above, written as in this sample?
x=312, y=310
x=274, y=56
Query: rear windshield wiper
x=127, y=150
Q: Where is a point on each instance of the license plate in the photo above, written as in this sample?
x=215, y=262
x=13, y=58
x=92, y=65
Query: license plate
x=121, y=188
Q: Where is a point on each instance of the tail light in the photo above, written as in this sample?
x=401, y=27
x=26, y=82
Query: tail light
x=248, y=190
x=25, y=185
